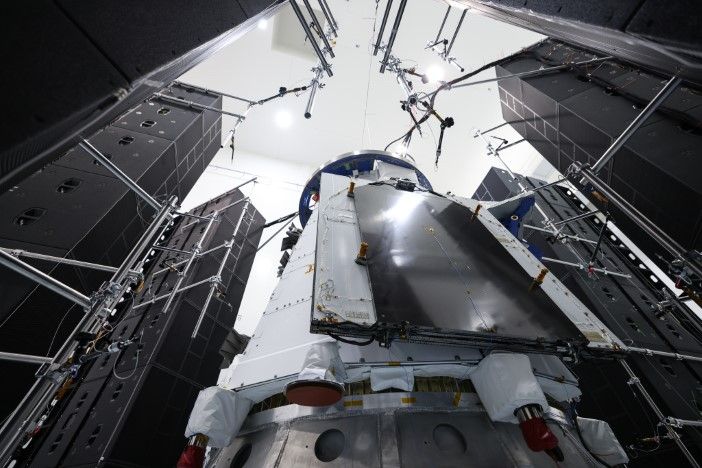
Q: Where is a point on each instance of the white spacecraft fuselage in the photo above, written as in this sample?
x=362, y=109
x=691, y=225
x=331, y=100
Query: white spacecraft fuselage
x=389, y=421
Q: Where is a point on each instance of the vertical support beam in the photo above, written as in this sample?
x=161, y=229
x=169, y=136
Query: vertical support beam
x=441, y=28
x=636, y=123
x=393, y=34
x=455, y=33
x=327, y=15
x=382, y=27
x=313, y=91
x=39, y=277
x=319, y=27
x=634, y=380
x=325, y=6
x=310, y=36
x=228, y=252
x=95, y=153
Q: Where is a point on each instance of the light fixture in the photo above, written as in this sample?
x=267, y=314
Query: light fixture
x=434, y=73
x=283, y=119
x=262, y=23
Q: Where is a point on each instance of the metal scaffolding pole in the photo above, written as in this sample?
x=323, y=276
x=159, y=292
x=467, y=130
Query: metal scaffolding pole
x=310, y=36
x=95, y=153
x=540, y=71
x=634, y=380
x=316, y=23
x=211, y=91
x=327, y=14
x=635, y=215
x=26, y=358
x=194, y=253
x=455, y=33
x=313, y=91
x=382, y=27
x=325, y=6
x=441, y=28
x=39, y=277
x=214, y=284
x=62, y=260
x=41, y=392
x=393, y=34
x=196, y=105
x=636, y=123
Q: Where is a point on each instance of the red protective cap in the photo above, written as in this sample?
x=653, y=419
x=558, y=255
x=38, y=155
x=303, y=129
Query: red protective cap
x=537, y=435
x=314, y=392
x=192, y=457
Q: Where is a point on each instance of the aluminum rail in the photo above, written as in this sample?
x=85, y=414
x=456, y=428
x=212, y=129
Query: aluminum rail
x=218, y=275
x=635, y=215
x=325, y=5
x=455, y=33
x=62, y=260
x=668, y=354
x=327, y=15
x=575, y=218
x=26, y=358
x=95, y=153
x=316, y=23
x=540, y=71
x=443, y=23
x=580, y=266
x=569, y=236
x=156, y=299
x=212, y=91
x=194, y=253
x=39, y=277
x=393, y=34
x=650, y=108
x=313, y=91
x=310, y=36
x=634, y=380
x=384, y=22
x=196, y=105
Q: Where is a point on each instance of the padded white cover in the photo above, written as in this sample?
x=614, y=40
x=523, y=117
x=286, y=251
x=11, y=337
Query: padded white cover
x=505, y=382
x=218, y=414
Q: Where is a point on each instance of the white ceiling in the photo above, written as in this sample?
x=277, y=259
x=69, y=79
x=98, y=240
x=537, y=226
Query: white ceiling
x=359, y=107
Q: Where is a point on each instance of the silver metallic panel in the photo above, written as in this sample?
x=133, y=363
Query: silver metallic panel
x=431, y=266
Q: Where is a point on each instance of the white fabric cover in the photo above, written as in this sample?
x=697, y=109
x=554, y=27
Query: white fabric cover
x=552, y=366
x=218, y=414
x=322, y=362
x=505, y=382
x=601, y=441
x=398, y=377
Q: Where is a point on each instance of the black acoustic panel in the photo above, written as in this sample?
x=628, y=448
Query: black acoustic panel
x=39, y=101
x=608, y=112
x=61, y=429
x=137, y=421
x=161, y=32
x=144, y=158
x=557, y=86
x=208, y=99
x=674, y=26
x=462, y=273
x=592, y=141
x=166, y=120
x=58, y=206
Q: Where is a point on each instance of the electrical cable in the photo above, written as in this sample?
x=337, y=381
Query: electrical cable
x=357, y=343
x=280, y=220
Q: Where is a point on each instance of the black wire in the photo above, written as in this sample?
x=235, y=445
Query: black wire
x=357, y=343
x=448, y=85
x=280, y=220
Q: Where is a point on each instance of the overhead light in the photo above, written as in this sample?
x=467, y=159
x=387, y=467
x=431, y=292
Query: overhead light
x=434, y=73
x=262, y=23
x=283, y=119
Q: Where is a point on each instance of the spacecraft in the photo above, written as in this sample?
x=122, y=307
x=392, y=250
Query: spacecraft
x=538, y=322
